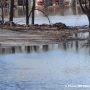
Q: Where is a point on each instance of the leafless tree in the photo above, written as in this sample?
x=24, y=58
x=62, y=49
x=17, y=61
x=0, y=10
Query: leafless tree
x=32, y=11
x=85, y=6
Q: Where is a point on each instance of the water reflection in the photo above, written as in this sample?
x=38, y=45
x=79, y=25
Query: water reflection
x=76, y=45
x=23, y=49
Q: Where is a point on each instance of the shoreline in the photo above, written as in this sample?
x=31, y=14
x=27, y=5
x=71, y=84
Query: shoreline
x=15, y=34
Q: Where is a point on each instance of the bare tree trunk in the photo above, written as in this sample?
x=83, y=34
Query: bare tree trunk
x=74, y=6
x=73, y=3
x=23, y=6
x=2, y=12
x=27, y=13
x=89, y=19
x=85, y=8
x=11, y=10
x=33, y=13
x=81, y=5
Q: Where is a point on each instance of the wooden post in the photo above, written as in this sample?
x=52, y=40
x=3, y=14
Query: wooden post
x=27, y=13
x=33, y=13
x=11, y=10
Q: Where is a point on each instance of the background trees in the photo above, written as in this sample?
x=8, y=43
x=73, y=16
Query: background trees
x=85, y=6
x=12, y=6
x=32, y=11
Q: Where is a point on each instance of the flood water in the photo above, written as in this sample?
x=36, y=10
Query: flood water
x=64, y=66
x=68, y=15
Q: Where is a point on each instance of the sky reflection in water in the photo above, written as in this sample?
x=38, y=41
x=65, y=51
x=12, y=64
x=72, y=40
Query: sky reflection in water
x=45, y=67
